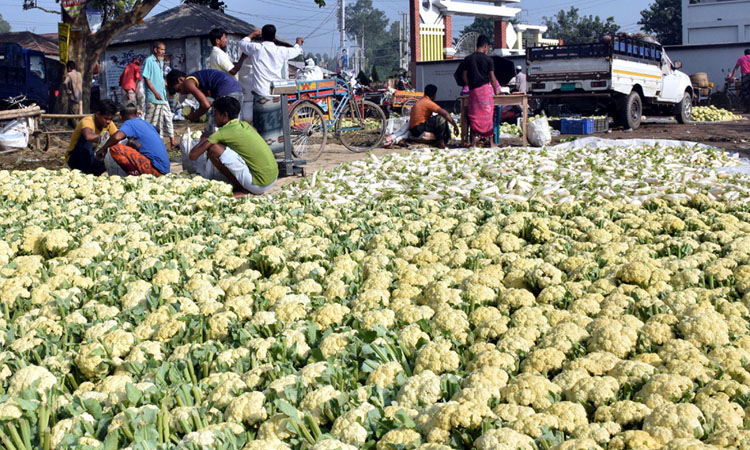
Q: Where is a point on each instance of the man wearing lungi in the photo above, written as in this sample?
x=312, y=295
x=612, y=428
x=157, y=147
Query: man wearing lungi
x=268, y=61
x=203, y=84
x=144, y=153
x=479, y=75
x=743, y=63
x=158, y=112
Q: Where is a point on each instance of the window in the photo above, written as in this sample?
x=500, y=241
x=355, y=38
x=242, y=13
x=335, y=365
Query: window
x=36, y=65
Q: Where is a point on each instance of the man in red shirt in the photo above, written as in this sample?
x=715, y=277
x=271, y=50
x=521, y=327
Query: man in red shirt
x=129, y=81
x=422, y=120
x=743, y=63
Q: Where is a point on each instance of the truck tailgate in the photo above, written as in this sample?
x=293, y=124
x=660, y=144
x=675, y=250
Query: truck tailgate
x=569, y=69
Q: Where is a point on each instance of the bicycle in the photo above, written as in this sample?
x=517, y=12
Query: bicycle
x=17, y=102
x=727, y=98
x=358, y=124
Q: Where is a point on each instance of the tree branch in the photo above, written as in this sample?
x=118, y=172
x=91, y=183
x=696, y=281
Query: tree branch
x=42, y=8
x=113, y=28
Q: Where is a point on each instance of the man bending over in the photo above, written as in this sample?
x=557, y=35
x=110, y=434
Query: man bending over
x=236, y=153
x=144, y=154
x=202, y=85
x=422, y=120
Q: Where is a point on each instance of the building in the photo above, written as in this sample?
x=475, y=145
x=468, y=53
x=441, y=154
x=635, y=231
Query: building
x=714, y=34
x=715, y=21
x=184, y=30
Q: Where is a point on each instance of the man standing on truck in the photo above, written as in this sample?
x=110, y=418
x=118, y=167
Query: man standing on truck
x=268, y=60
x=479, y=75
x=158, y=113
x=74, y=88
x=743, y=63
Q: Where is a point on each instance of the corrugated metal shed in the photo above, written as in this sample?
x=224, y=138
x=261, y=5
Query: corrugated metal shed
x=46, y=44
x=187, y=20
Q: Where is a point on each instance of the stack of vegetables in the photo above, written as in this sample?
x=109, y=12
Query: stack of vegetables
x=162, y=313
x=713, y=114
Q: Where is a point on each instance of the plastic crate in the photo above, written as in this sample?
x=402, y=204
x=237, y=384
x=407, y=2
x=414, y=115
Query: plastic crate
x=601, y=125
x=579, y=126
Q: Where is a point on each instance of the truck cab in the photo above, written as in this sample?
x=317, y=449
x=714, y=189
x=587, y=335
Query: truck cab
x=25, y=71
x=623, y=77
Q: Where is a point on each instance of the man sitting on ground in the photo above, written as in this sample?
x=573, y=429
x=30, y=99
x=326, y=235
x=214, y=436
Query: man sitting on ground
x=203, y=84
x=422, y=119
x=88, y=132
x=144, y=154
x=236, y=153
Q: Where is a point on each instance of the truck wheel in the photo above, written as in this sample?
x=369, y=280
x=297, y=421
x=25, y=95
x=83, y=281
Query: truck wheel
x=630, y=110
x=684, y=109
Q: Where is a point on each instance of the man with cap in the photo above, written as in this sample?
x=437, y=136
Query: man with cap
x=520, y=80
x=310, y=71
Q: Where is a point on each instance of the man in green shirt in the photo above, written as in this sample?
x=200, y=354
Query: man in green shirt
x=235, y=153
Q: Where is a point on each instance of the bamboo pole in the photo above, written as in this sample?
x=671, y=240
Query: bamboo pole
x=64, y=116
x=19, y=113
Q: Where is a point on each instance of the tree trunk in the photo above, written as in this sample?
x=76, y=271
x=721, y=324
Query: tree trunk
x=86, y=48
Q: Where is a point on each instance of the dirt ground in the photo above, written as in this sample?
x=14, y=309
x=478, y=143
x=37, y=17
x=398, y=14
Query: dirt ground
x=732, y=136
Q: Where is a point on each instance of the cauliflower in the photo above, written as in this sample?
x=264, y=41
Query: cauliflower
x=504, y=439
x=422, y=388
x=403, y=437
x=673, y=421
x=623, y=412
x=32, y=376
x=437, y=356
x=596, y=391
x=248, y=408
x=530, y=390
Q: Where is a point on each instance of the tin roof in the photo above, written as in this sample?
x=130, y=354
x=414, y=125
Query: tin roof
x=46, y=44
x=187, y=20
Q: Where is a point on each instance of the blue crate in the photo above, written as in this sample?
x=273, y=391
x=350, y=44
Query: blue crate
x=578, y=126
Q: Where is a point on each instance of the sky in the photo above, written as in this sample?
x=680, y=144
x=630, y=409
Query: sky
x=319, y=25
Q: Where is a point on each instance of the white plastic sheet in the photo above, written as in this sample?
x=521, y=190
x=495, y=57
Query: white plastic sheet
x=16, y=133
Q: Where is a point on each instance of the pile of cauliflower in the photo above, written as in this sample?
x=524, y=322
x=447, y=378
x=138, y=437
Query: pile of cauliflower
x=713, y=114
x=162, y=313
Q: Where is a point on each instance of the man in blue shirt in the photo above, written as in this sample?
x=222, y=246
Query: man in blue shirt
x=158, y=113
x=144, y=154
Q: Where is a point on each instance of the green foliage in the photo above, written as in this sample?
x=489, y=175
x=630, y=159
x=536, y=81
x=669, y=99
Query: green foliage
x=573, y=28
x=4, y=25
x=213, y=4
x=381, y=42
x=375, y=76
x=481, y=25
x=663, y=18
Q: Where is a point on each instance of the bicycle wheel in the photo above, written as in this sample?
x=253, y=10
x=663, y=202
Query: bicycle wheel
x=408, y=105
x=720, y=100
x=308, y=130
x=361, y=136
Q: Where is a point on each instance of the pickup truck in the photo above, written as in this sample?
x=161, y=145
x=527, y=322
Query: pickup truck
x=624, y=78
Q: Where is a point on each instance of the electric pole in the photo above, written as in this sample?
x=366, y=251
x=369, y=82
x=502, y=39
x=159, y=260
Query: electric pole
x=343, y=24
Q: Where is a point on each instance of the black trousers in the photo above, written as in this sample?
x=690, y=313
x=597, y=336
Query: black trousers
x=82, y=158
x=436, y=125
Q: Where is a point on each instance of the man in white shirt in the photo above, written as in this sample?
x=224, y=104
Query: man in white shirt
x=310, y=71
x=219, y=59
x=268, y=61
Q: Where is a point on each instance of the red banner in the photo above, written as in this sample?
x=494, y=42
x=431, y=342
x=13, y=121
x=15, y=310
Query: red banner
x=73, y=7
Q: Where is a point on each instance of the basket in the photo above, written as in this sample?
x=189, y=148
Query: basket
x=700, y=78
x=601, y=125
x=578, y=126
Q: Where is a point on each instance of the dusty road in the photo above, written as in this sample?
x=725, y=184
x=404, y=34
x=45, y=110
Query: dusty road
x=732, y=136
